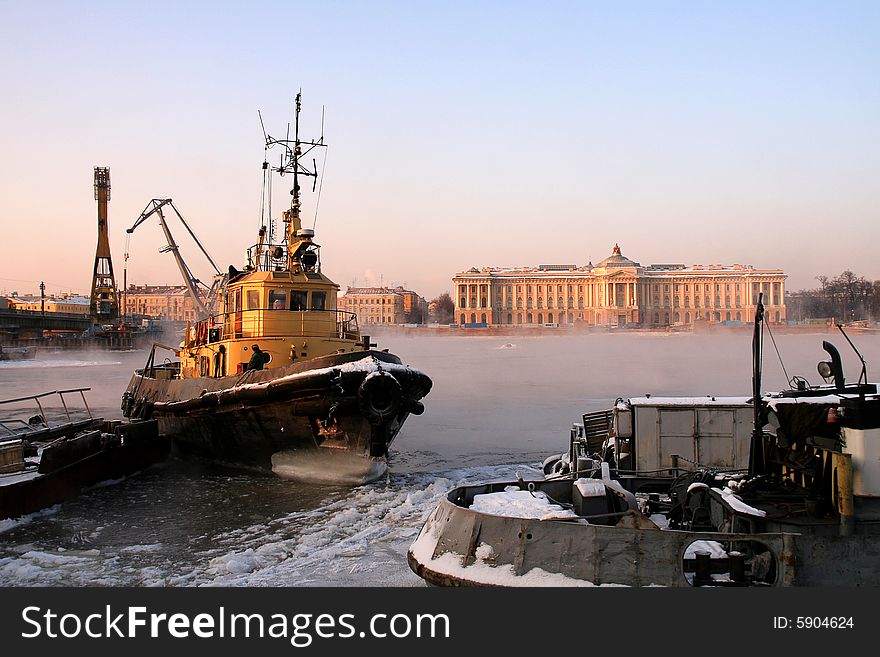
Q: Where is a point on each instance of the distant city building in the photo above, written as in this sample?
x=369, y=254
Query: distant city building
x=70, y=304
x=169, y=302
x=384, y=305
x=617, y=292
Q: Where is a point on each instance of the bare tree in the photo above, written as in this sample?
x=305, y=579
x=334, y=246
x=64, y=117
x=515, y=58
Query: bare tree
x=442, y=309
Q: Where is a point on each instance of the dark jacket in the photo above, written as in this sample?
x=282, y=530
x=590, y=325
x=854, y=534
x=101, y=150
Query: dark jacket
x=258, y=359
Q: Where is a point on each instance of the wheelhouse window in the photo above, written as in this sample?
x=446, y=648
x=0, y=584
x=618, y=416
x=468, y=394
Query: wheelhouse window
x=299, y=300
x=319, y=300
x=277, y=299
x=253, y=299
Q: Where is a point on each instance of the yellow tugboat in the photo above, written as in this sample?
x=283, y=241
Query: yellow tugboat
x=277, y=376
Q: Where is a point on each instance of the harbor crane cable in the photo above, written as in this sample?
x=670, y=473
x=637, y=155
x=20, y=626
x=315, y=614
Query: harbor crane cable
x=155, y=207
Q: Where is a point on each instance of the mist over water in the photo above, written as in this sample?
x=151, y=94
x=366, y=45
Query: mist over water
x=499, y=405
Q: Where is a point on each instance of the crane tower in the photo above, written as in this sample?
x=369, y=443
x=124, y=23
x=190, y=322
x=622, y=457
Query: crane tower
x=104, y=301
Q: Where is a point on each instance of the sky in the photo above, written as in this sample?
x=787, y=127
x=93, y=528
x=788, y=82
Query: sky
x=460, y=134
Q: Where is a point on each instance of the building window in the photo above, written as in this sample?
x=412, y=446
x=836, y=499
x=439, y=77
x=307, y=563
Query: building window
x=529, y=318
x=509, y=318
x=463, y=320
x=473, y=318
x=549, y=302
x=570, y=301
x=540, y=318
x=677, y=318
x=463, y=303
x=483, y=318
x=519, y=318
x=687, y=301
x=677, y=301
x=580, y=302
x=550, y=317
x=687, y=318
x=540, y=302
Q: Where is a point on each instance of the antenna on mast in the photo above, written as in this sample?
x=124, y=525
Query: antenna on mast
x=263, y=126
x=294, y=151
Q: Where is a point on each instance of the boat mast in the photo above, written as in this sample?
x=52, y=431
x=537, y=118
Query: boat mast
x=292, y=162
x=756, y=452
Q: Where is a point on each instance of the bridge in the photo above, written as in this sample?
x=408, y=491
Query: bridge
x=31, y=323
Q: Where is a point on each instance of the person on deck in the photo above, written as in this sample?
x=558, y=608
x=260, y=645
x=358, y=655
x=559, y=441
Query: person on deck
x=258, y=359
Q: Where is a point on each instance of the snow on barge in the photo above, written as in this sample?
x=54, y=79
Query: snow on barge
x=278, y=377
x=52, y=455
x=805, y=512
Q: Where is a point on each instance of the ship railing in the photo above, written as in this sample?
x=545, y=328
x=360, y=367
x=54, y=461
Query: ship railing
x=271, y=256
x=41, y=419
x=274, y=323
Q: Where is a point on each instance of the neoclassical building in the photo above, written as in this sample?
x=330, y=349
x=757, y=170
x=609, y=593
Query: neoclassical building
x=617, y=292
x=170, y=302
x=383, y=305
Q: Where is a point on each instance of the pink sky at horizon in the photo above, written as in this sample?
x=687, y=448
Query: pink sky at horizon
x=460, y=136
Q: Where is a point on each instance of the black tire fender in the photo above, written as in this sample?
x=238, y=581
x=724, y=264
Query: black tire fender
x=379, y=397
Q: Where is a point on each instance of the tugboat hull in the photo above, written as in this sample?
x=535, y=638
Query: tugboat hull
x=349, y=405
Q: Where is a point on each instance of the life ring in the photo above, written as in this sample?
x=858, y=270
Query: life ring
x=379, y=397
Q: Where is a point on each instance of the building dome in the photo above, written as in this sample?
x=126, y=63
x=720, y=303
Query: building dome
x=616, y=260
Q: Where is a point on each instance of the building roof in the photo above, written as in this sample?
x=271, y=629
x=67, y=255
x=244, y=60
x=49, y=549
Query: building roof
x=617, y=260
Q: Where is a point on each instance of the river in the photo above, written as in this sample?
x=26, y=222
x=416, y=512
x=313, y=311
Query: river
x=499, y=405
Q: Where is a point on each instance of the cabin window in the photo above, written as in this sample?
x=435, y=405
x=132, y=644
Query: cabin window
x=277, y=299
x=298, y=300
x=319, y=300
x=253, y=299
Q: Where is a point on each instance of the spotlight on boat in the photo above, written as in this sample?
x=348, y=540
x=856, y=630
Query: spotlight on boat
x=825, y=370
x=309, y=259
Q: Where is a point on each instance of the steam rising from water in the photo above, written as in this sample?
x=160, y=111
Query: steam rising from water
x=492, y=411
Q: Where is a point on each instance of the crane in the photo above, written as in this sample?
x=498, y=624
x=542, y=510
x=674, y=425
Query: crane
x=202, y=305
